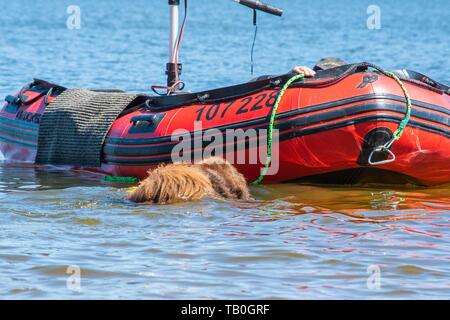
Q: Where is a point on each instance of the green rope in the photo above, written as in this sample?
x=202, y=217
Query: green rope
x=117, y=179
x=271, y=124
x=396, y=135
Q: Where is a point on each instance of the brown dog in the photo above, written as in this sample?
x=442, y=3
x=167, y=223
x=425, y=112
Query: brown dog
x=214, y=177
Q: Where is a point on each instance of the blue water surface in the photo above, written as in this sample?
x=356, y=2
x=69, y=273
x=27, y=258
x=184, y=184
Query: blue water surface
x=293, y=242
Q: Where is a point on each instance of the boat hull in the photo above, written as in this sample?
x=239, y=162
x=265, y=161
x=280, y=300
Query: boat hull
x=319, y=131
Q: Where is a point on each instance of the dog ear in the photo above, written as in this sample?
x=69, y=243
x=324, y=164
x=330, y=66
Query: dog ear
x=218, y=183
x=237, y=183
x=226, y=179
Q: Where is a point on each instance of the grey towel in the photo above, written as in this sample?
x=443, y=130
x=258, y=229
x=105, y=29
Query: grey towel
x=73, y=128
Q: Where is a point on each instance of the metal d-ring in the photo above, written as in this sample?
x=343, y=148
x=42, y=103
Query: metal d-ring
x=47, y=95
x=383, y=148
x=20, y=97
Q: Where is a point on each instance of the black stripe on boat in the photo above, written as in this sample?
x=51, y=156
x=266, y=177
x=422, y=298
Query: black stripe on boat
x=26, y=125
x=296, y=112
x=293, y=134
x=334, y=114
x=15, y=140
x=18, y=131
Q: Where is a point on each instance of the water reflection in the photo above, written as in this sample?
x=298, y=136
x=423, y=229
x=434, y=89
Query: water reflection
x=360, y=203
x=27, y=177
x=292, y=241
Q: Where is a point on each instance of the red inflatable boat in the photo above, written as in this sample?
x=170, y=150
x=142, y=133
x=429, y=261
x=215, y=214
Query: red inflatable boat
x=336, y=127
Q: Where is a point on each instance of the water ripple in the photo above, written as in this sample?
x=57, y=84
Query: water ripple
x=292, y=242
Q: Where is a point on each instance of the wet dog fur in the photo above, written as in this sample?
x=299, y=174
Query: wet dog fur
x=213, y=177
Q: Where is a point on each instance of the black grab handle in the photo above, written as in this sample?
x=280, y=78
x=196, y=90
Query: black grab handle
x=150, y=118
x=12, y=99
x=258, y=5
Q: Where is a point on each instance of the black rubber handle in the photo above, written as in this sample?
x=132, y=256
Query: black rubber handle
x=258, y=5
x=148, y=118
x=12, y=99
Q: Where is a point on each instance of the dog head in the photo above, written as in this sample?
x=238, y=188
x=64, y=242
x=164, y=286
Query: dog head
x=214, y=177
